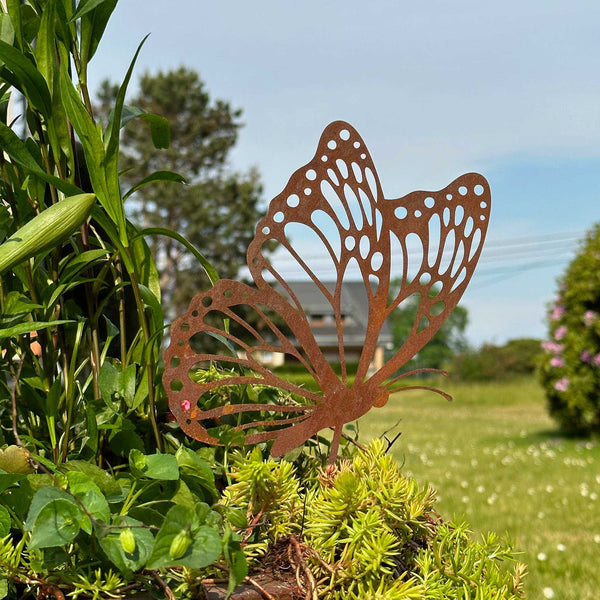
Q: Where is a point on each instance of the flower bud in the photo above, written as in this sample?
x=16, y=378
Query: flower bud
x=127, y=540
x=181, y=542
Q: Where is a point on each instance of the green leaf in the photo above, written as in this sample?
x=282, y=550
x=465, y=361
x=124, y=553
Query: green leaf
x=154, y=466
x=208, y=268
x=45, y=44
x=127, y=379
x=29, y=327
x=204, y=549
x=234, y=555
x=144, y=542
x=3, y=588
x=53, y=398
x=123, y=442
x=4, y=522
x=153, y=303
x=197, y=474
x=89, y=494
x=92, y=28
x=14, y=10
x=30, y=79
x=17, y=150
x=7, y=31
x=160, y=130
x=76, y=264
x=54, y=518
x=9, y=479
x=157, y=176
x=84, y=7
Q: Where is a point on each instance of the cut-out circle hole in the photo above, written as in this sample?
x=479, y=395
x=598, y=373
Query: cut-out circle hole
x=482, y=217
x=175, y=361
x=311, y=174
x=228, y=293
x=324, y=158
x=356, y=144
x=363, y=156
x=425, y=279
x=293, y=200
x=307, y=191
x=266, y=230
x=278, y=217
x=418, y=213
x=345, y=134
x=448, y=196
x=350, y=243
x=401, y=212
x=376, y=261
x=483, y=205
x=194, y=313
x=423, y=324
x=176, y=385
x=462, y=190
x=429, y=202
x=478, y=189
x=207, y=300
x=331, y=145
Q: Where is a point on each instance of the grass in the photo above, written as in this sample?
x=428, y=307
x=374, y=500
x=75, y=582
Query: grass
x=496, y=457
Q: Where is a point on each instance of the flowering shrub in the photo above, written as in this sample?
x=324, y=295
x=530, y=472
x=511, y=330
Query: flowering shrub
x=570, y=368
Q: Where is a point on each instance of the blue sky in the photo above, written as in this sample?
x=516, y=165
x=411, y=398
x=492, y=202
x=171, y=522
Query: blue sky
x=435, y=88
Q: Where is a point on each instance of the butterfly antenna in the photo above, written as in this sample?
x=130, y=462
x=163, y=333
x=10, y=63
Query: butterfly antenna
x=425, y=387
x=415, y=372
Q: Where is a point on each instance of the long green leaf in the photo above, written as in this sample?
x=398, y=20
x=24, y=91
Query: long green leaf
x=7, y=31
x=92, y=28
x=14, y=10
x=208, y=268
x=22, y=328
x=32, y=82
x=12, y=144
x=159, y=130
x=84, y=7
x=157, y=176
x=44, y=45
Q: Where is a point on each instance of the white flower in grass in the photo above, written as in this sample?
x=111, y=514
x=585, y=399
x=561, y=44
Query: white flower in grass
x=465, y=499
x=464, y=484
x=480, y=489
x=541, y=515
x=542, y=556
x=548, y=592
x=597, y=538
x=593, y=496
x=561, y=547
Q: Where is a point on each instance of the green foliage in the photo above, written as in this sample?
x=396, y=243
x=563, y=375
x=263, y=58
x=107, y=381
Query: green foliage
x=447, y=341
x=570, y=370
x=368, y=531
x=493, y=363
x=217, y=210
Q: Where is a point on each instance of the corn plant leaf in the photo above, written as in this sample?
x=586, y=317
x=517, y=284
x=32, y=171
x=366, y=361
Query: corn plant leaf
x=33, y=83
x=159, y=130
x=7, y=31
x=14, y=11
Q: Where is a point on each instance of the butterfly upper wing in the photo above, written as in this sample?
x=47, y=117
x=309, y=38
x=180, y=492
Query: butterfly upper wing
x=333, y=202
x=438, y=237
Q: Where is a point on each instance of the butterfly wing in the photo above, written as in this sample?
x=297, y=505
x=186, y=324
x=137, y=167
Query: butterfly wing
x=201, y=404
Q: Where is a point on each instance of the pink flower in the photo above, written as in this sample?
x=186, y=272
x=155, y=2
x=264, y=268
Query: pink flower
x=557, y=313
x=586, y=356
x=557, y=361
x=560, y=332
x=552, y=347
x=596, y=360
x=186, y=405
x=589, y=316
x=562, y=385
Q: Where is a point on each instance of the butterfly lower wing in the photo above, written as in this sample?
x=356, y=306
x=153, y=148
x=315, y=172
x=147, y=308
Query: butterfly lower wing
x=438, y=237
x=245, y=323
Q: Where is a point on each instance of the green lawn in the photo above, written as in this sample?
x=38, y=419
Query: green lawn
x=495, y=457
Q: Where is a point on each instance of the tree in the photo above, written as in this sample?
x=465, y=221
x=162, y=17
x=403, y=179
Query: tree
x=218, y=208
x=448, y=340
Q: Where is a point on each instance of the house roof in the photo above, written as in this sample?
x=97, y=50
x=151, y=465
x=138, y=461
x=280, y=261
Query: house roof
x=354, y=306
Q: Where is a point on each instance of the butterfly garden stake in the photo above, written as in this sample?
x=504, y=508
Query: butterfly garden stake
x=426, y=243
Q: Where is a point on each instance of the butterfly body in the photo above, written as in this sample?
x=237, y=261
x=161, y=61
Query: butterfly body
x=421, y=247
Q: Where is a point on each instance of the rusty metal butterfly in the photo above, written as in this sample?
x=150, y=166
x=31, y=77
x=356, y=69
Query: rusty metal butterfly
x=428, y=242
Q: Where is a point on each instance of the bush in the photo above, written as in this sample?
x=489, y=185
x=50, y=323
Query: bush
x=570, y=369
x=362, y=529
x=489, y=363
